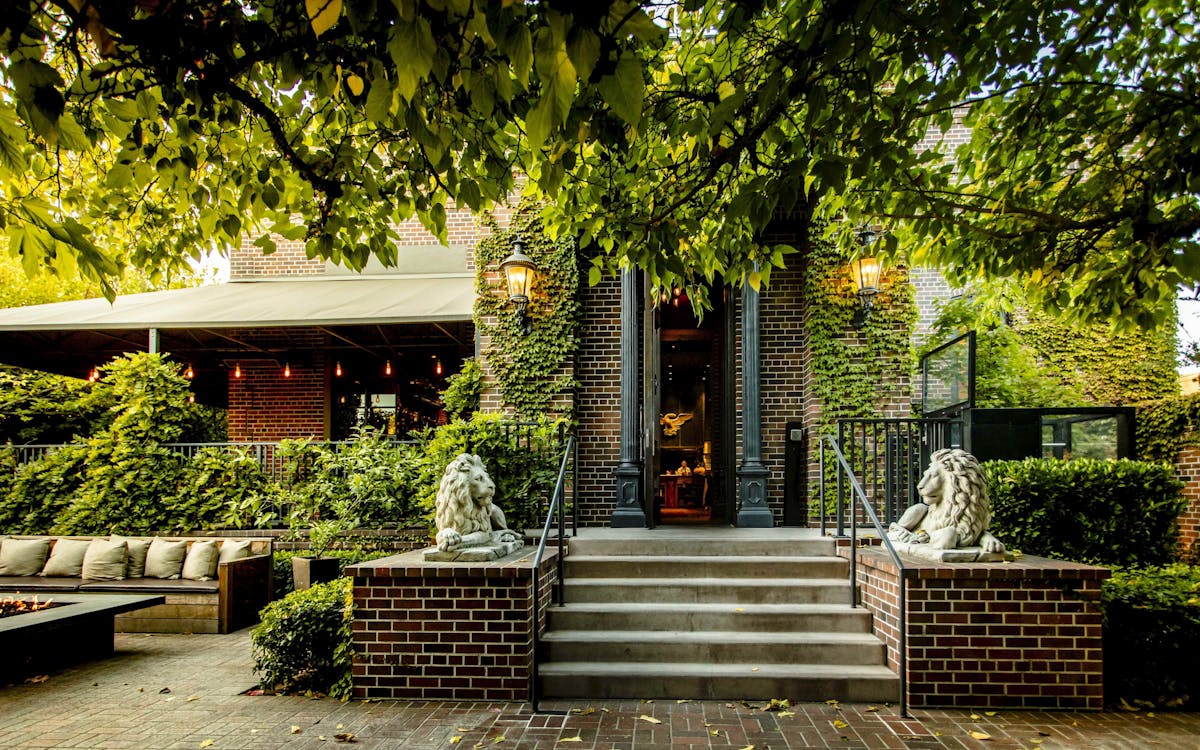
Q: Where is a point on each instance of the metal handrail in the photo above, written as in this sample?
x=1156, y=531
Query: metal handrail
x=556, y=506
x=902, y=608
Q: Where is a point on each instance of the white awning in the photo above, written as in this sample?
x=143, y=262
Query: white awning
x=322, y=301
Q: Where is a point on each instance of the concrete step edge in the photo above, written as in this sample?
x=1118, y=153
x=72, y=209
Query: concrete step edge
x=799, y=637
x=693, y=669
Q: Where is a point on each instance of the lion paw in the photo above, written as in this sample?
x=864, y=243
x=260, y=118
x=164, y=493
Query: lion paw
x=448, y=539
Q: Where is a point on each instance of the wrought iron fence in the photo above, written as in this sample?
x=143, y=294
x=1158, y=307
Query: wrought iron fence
x=888, y=456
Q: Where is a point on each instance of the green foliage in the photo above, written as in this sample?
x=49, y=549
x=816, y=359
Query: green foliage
x=303, y=642
x=669, y=142
x=463, y=390
x=1163, y=426
x=1151, y=627
x=37, y=407
x=853, y=370
x=367, y=482
x=532, y=369
x=524, y=473
x=220, y=488
x=42, y=489
x=1121, y=512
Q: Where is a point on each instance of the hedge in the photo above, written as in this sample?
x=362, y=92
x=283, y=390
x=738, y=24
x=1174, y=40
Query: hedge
x=1122, y=513
x=304, y=642
x=1151, y=628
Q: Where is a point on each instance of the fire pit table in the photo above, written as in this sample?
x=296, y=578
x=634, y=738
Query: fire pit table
x=75, y=628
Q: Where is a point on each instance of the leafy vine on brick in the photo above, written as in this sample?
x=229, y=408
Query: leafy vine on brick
x=851, y=369
x=533, y=370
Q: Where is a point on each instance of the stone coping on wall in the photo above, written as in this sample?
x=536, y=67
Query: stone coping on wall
x=1024, y=567
x=413, y=564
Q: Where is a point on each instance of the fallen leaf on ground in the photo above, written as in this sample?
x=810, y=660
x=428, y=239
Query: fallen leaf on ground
x=739, y=609
x=168, y=699
x=576, y=738
x=585, y=711
x=832, y=702
x=1124, y=706
x=786, y=713
x=461, y=729
x=344, y=737
x=39, y=679
x=1036, y=740
x=683, y=700
x=777, y=704
x=605, y=710
x=869, y=709
x=164, y=691
x=193, y=698
x=754, y=669
x=975, y=717
x=839, y=724
x=650, y=719
x=295, y=729
x=989, y=713
x=715, y=733
x=979, y=735
x=748, y=747
x=321, y=737
x=206, y=743
x=340, y=726
x=455, y=740
x=498, y=740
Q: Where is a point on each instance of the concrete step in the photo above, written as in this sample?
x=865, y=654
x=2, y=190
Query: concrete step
x=755, y=618
x=701, y=544
x=706, y=566
x=712, y=647
x=729, y=590
x=796, y=682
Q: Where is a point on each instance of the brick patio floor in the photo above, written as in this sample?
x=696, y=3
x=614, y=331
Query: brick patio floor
x=168, y=691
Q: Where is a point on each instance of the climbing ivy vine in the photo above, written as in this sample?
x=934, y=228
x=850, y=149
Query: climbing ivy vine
x=533, y=370
x=854, y=369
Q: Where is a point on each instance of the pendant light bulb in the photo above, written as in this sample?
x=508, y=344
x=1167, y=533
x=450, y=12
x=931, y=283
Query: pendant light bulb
x=387, y=368
x=189, y=373
x=237, y=371
x=287, y=369
x=437, y=367
x=338, y=370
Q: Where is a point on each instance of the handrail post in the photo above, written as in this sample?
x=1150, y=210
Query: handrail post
x=821, y=482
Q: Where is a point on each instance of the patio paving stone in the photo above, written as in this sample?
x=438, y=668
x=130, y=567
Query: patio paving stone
x=178, y=691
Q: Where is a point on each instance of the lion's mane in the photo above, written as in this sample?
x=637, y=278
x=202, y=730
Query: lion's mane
x=454, y=507
x=963, y=500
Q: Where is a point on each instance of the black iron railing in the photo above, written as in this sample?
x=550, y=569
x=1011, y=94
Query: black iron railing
x=888, y=457
x=557, y=508
x=844, y=470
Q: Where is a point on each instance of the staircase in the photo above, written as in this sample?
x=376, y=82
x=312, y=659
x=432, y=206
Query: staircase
x=710, y=613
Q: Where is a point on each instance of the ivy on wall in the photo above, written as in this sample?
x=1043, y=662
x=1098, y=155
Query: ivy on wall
x=1165, y=426
x=533, y=370
x=853, y=369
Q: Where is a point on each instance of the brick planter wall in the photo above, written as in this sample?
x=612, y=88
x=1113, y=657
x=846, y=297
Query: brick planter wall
x=1187, y=465
x=447, y=631
x=1016, y=635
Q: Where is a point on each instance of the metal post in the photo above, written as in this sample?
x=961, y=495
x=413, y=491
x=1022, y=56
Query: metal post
x=152, y=343
x=629, y=513
x=752, y=475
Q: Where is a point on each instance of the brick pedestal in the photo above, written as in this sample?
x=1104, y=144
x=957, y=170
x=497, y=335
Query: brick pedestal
x=447, y=631
x=1026, y=634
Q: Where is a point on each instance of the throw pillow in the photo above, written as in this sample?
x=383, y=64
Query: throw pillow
x=165, y=558
x=135, y=562
x=106, y=560
x=66, y=558
x=232, y=549
x=201, y=562
x=23, y=557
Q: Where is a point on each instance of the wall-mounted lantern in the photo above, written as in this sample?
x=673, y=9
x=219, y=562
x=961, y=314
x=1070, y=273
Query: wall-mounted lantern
x=519, y=271
x=865, y=272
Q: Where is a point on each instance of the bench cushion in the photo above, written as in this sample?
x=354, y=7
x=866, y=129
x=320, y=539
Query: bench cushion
x=38, y=583
x=23, y=557
x=66, y=558
x=153, y=586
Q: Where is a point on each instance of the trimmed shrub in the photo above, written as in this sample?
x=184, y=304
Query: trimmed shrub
x=1151, y=628
x=1120, y=513
x=303, y=643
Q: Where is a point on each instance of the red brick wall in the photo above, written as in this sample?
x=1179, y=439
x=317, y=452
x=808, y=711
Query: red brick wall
x=289, y=259
x=1026, y=634
x=1187, y=465
x=598, y=403
x=446, y=631
x=266, y=406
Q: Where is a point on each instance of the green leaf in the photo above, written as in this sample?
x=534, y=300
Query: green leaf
x=624, y=90
x=119, y=176
x=583, y=47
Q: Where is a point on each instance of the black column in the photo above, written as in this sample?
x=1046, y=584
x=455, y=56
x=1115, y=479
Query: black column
x=629, y=513
x=752, y=475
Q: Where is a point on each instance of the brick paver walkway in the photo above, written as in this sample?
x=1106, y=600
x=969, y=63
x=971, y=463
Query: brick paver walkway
x=163, y=691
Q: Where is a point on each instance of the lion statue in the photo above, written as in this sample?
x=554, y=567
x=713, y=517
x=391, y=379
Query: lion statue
x=463, y=511
x=954, y=511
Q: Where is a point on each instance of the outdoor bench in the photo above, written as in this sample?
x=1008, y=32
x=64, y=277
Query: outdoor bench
x=211, y=596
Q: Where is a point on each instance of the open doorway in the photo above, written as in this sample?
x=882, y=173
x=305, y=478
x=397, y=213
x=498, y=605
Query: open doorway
x=688, y=437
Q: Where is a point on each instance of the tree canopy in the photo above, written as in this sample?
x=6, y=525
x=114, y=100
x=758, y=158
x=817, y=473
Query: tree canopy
x=670, y=135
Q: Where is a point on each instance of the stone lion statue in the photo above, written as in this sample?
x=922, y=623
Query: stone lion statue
x=954, y=511
x=463, y=512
